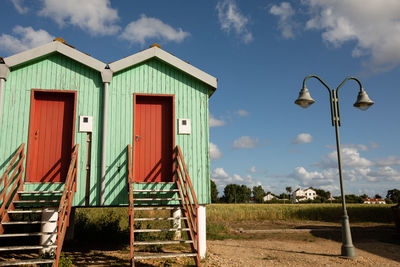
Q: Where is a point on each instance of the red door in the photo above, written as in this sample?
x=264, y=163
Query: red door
x=153, y=143
x=50, y=136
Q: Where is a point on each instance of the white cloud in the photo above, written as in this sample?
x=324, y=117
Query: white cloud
x=243, y=113
x=18, y=4
x=372, y=26
x=95, y=16
x=388, y=161
x=360, y=147
x=385, y=173
x=221, y=179
x=231, y=18
x=302, y=138
x=215, y=153
x=24, y=38
x=285, y=13
x=253, y=169
x=350, y=159
x=145, y=28
x=245, y=142
x=213, y=122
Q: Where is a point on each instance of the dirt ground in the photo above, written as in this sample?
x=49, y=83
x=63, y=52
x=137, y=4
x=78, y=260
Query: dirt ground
x=272, y=244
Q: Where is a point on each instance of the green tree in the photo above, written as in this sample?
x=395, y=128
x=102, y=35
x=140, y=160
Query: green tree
x=364, y=196
x=234, y=193
x=322, y=195
x=289, y=190
x=245, y=194
x=214, y=192
x=283, y=196
x=353, y=199
x=259, y=194
x=378, y=196
x=393, y=195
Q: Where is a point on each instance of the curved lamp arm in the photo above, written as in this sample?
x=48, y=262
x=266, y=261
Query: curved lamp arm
x=329, y=90
x=349, y=78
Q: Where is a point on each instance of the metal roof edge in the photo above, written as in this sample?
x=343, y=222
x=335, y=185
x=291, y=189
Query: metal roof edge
x=49, y=48
x=154, y=51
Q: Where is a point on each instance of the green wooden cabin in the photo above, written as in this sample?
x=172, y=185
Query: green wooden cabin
x=100, y=101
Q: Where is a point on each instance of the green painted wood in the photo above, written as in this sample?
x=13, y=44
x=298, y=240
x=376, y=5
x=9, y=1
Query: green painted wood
x=53, y=72
x=57, y=72
x=191, y=101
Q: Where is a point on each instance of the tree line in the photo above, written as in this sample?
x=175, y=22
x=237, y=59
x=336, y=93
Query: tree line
x=234, y=193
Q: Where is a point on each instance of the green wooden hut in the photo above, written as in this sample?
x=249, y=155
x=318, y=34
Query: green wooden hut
x=77, y=132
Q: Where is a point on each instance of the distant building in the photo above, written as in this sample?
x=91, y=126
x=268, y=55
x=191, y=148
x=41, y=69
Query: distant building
x=269, y=197
x=374, y=201
x=303, y=194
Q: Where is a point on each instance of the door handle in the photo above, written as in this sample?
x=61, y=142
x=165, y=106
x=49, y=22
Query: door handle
x=137, y=138
x=36, y=134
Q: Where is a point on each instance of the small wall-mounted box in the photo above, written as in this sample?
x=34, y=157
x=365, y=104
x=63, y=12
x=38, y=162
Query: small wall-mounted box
x=183, y=126
x=86, y=124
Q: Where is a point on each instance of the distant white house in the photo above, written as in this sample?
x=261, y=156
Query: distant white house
x=269, y=197
x=374, y=201
x=303, y=194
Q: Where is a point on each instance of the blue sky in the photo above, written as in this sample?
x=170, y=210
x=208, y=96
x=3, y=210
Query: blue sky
x=260, y=51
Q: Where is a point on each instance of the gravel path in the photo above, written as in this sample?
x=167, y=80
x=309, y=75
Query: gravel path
x=312, y=252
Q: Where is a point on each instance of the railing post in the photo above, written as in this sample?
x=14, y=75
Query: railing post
x=5, y=195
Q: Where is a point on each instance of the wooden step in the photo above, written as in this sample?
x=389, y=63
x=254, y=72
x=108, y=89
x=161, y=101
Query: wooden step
x=38, y=203
x=12, y=248
x=158, y=219
x=24, y=211
x=26, y=222
x=164, y=255
x=26, y=262
x=155, y=208
x=27, y=234
x=40, y=192
x=156, y=199
x=166, y=242
x=154, y=190
x=160, y=230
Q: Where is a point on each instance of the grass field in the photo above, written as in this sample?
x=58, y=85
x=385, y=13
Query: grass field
x=112, y=223
x=298, y=212
x=222, y=217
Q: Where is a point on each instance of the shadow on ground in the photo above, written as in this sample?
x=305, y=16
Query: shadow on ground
x=383, y=241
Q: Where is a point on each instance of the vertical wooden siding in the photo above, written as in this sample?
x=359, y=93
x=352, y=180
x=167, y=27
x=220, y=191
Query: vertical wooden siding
x=191, y=101
x=54, y=72
x=152, y=77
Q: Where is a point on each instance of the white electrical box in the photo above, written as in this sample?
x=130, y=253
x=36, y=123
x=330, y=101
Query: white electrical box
x=86, y=124
x=183, y=126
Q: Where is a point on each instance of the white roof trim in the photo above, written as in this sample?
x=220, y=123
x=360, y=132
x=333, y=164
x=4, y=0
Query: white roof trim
x=49, y=48
x=167, y=57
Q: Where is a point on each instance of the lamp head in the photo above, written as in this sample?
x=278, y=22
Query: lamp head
x=304, y=100
x=363, y=101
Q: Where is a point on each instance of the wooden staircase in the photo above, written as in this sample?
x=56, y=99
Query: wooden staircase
x=20, y=242
x=26, y=216
x=155, y=232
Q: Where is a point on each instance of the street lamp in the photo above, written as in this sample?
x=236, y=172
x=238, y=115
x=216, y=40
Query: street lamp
x=363, y=102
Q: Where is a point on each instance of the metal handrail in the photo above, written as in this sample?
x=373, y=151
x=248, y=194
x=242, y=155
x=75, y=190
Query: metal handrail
x=65, y=206
x=13, y=181
x=189, y=199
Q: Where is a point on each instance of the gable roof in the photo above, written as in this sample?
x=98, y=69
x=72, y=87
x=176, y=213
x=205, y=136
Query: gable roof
x=157, y=52
x=58, y=45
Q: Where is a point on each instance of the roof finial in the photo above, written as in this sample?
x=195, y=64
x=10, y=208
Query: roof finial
x=59, y=39
x=155, y=45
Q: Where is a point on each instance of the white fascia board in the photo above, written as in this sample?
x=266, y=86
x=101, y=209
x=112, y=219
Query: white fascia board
x=80, y=57
x=166, y=57
x=49, y=48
